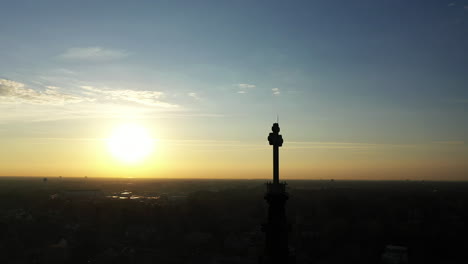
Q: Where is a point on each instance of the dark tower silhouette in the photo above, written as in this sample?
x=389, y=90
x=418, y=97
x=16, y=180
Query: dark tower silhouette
x=277, y=228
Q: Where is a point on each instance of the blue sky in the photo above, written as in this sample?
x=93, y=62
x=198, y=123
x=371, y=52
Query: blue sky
x=384, y=72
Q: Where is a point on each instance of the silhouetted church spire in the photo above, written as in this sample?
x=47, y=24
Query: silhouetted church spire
x=276, y=229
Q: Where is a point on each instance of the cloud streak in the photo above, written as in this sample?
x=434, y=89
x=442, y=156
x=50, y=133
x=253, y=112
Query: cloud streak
x=243, y=87
x=46, y=102
x=16, y=92
x=148, y=98
x=246, y=85
x=194, y=96
x=276, y=91
x=93, y=54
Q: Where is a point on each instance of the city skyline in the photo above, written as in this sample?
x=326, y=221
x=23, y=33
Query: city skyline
x=370, y=90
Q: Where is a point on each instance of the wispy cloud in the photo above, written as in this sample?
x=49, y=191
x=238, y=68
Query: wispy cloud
x=16, y=92
x=246, y=85
x=451, y=4
x=42, y=102
x=243, y=87
x=148, y=98
x=93, y=54
x=276, y=91
x=52, y=87
x=194, y=96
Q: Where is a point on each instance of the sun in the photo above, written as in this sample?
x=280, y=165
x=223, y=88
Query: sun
x=130, y=143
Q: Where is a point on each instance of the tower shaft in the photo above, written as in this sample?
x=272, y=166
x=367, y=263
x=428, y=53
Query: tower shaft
x=276, y=229
x=275, y=164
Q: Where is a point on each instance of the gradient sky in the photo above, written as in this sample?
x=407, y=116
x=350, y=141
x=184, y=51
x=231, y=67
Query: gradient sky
x=368, y=89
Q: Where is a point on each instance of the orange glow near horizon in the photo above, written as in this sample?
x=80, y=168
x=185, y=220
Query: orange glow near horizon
x=217, y=159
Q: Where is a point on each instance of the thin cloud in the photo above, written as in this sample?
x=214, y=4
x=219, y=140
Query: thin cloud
x=16, y=92
x=243, y=87
x=93, y=54
x=276, y=91
x=246, y=85
x=451, y=4
x=52, y=87
x=148, y=98
x=194, y=96
x=42, y=102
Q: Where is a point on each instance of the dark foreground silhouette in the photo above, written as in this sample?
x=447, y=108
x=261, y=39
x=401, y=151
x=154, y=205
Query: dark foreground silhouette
x=218, y=221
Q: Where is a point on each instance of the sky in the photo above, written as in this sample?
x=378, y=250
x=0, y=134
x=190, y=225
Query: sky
x=366, y=89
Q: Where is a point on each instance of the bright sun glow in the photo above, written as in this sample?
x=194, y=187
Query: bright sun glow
x=130, y=143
